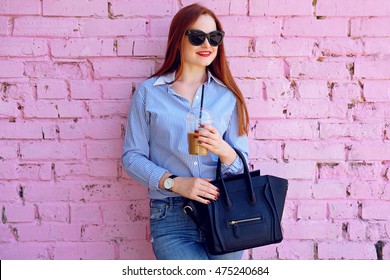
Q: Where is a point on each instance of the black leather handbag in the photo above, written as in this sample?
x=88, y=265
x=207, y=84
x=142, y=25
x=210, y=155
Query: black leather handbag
x=246, y=215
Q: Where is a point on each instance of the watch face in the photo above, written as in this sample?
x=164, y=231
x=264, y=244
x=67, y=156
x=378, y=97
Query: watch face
x=168, y=183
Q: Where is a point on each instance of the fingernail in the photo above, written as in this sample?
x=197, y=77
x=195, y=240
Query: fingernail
x=202, y=125
x=196, y=137
x=196, y=131
x=199, y=142
x=208, y=202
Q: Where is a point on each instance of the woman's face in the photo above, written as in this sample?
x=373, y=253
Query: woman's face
x=204, y=54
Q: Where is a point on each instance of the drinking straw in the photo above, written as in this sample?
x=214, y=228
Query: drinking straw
x=201, y=107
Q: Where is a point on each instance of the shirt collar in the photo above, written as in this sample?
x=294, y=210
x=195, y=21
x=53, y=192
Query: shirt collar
x=170, y=77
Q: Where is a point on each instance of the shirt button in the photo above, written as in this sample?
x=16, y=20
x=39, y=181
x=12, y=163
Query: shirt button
x=196, y=97
x=195, y=163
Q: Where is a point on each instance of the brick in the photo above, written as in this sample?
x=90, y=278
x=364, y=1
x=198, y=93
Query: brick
x=24, y=251
x=115, y=89
x=27, y=130
x=25, y=7
x=239, y=26
x=4, y=24
x=296, y=250
x=11, y=69
x=159, y=27
x=237, y=46
x=264, y=149
x=102, y=190
x=222, y=7
x=84, y=251
x=8, y=149
x=256, y=67
x=53, y=212
x=280, y=88
x=319, y=230
x=66, y=170
x=376, y=210
x=355, y=131
x=112, y=27
x=320, y=70
x=252, y=88
x=376, y=46
x=46, y=26
x=79, y=8
x=346, y=171
x=22, y=47
x=19, y=214
x=83, y=47
x=316, y=109
x=131, y=231
x=313, y=89
x=266, y=109
x=52, y=89
x=299, y=189
x=314, y=151
x=357, y=230
x=129, y=8
x=119, y=68
x=67, y=70
x=346, y=90
x=103, y=168
x=284, y=47
x=280, y=8
x=370, y=111
x=90, y=129
x=329, y=190
x=368, y=27
x=7, y=169
x=5, y=236
x=136, y=250
x=366, y=190
x=361, y=8
x=312, y=27
x=369, y=151
x=377, y=91
x=108, y=108
x=9, y=192
x=85, y=89
x=146, y=47
x=372, y=69
x=55, y=109
x=268, y=252
x=293, y=170
x=346, y=250
x=108, y=149
x=286, y=129
x=48, y=150
x=48, y=232
x=114, y=212
x=33, y=171
x=45, y=191
x=312, y=210
x=336, y=47
x=85, y=213
x=343, y=209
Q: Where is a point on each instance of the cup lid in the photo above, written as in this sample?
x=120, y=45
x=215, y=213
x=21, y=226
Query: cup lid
x=197, y=114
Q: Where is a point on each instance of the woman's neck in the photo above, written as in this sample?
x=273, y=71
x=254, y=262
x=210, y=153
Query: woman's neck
x=193, y=75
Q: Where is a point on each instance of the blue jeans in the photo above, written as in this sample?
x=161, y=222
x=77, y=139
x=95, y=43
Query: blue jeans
x=175, y=236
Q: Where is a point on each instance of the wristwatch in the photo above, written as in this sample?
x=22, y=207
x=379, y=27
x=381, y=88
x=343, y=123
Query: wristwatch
x=169, y=183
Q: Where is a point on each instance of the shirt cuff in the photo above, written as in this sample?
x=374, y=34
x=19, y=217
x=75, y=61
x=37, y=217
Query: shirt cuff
x=155, y=177
x=234, y=168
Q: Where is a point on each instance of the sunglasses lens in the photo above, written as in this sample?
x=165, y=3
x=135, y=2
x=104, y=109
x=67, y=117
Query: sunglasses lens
x=197, y=39
x=216, y=38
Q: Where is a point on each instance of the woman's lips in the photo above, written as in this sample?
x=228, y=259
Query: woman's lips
x=204, y=54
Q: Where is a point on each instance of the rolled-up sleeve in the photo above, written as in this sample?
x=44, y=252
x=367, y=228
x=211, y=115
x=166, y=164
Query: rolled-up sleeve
x=135, y=157
x=239, y=142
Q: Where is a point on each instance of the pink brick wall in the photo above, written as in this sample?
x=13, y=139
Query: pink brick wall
x=316, y=74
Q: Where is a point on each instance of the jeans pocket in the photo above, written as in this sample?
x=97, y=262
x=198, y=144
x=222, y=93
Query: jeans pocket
x=158, y=210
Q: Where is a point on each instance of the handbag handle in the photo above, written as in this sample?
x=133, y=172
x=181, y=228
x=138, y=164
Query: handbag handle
x=251, y=192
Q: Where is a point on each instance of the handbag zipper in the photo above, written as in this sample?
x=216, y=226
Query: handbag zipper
x=232, y=223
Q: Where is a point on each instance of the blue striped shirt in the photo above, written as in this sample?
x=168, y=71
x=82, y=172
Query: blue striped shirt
x=156, y=134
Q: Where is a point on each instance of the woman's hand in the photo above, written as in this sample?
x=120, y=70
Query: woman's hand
x=196, y=189
x=210, y=139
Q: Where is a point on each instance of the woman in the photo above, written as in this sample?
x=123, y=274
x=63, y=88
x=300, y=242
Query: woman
x=156, y=148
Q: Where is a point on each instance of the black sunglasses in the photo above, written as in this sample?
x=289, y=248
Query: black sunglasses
x=197, y=37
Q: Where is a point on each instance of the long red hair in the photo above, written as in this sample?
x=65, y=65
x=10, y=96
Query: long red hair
x=181, y=22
